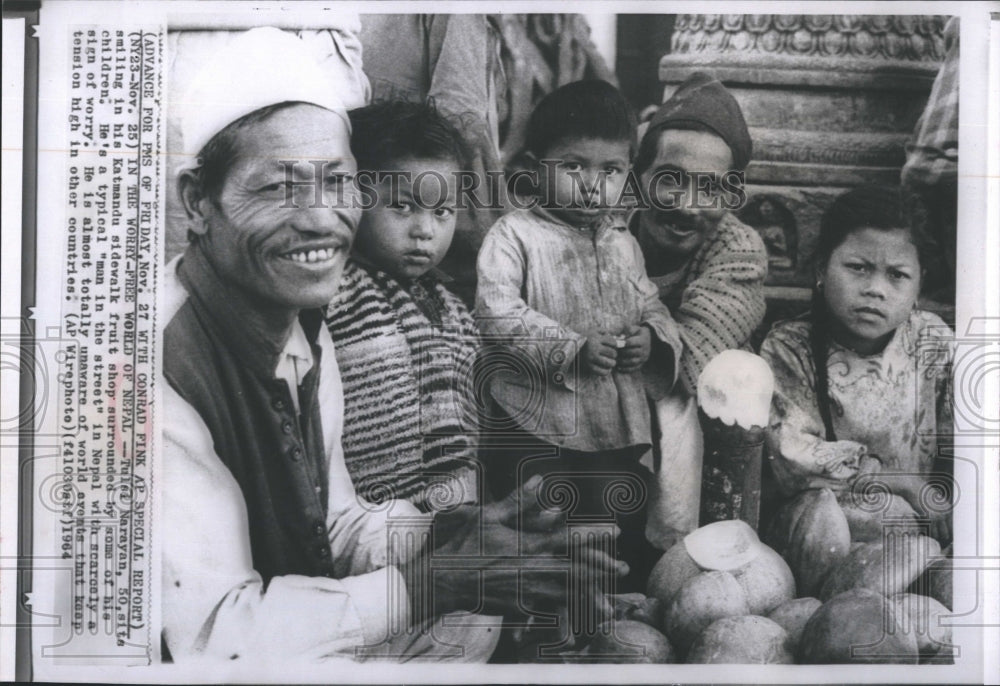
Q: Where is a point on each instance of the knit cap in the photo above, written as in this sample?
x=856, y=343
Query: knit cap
x=702, y=103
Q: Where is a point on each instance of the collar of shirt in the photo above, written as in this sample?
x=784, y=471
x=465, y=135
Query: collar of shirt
x=611, y=220
x=295, y=362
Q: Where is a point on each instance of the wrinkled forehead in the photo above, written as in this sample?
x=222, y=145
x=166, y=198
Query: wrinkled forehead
x=300, y=135
x=692, y=150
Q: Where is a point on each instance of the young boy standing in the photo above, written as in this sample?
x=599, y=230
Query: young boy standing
x=578, y=328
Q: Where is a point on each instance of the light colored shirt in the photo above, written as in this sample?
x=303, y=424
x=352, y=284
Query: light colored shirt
x=295, y=362
x=214, y=602
x=543, y=286
x=893, y=405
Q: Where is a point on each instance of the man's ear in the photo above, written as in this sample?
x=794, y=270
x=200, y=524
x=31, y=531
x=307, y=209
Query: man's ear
x=193, y=201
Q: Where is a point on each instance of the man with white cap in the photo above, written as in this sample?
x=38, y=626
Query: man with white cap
x=267, y=552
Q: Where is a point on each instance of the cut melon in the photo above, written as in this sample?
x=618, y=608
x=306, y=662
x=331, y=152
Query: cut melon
x=722, y=546
x=735, y=387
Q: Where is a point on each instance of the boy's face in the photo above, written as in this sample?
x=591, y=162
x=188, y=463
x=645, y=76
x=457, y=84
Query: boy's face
x=410, y=228
x=584, y=179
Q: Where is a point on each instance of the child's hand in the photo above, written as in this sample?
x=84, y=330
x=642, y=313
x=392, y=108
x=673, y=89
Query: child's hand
x=599, y=353
x=638, y=345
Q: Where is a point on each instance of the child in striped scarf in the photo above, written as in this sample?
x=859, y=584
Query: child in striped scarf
x=405, y=343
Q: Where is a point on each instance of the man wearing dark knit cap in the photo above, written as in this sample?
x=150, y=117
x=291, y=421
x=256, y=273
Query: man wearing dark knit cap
x=709, y=267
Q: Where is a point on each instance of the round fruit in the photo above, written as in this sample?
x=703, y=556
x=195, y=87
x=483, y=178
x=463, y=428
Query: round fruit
x=936, y=581
x=746, y=640
x=868, y=526
x=792, y=617
x=884, y=570
x=921, y=616
x=858, y=626
x=671, y=571
x=767, y=580
x=630, y=642
x=702, y=600
x=818, y=538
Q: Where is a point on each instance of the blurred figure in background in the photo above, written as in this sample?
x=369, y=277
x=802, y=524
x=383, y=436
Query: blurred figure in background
x=931, y=169
x=454, y=61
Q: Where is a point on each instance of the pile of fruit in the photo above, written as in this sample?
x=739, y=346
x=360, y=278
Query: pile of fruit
x=721, y=596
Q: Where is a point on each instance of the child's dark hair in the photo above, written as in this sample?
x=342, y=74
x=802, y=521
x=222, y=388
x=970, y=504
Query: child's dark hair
x=391, y=131
x=582, y=109
x=875, y=207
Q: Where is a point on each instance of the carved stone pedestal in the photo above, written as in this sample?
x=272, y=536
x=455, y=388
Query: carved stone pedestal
x=830, y=102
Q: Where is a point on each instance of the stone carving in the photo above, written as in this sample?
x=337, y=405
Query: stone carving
x=870, y=36
x=830, y=101
x=776, y=225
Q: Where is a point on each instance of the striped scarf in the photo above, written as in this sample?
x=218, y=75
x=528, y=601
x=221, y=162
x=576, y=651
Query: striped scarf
x=409, y=423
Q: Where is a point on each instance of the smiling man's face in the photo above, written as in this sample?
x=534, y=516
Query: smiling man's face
x=286, y=244
x=680, y=230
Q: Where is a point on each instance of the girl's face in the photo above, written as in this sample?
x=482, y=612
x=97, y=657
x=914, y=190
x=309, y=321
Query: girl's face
x=870, y=283
x=410, y=228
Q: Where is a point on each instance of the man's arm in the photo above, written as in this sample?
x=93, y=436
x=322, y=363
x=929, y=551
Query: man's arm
x=655, y=315
x=725, y=302
x=214, y=602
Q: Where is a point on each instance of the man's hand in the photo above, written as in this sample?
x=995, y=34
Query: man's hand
x=600, y=353
x=510, y=556
x=638, y=346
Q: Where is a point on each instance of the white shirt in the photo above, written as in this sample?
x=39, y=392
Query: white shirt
x=214, y=602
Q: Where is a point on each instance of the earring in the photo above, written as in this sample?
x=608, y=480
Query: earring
x=819, y=284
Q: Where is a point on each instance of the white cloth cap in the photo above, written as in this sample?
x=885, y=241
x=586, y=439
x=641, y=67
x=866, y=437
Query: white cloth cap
x=261, y=67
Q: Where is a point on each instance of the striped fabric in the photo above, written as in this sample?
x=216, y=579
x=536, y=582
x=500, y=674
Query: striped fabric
x=719, y=299
x=932, y=155
x=408, y=432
